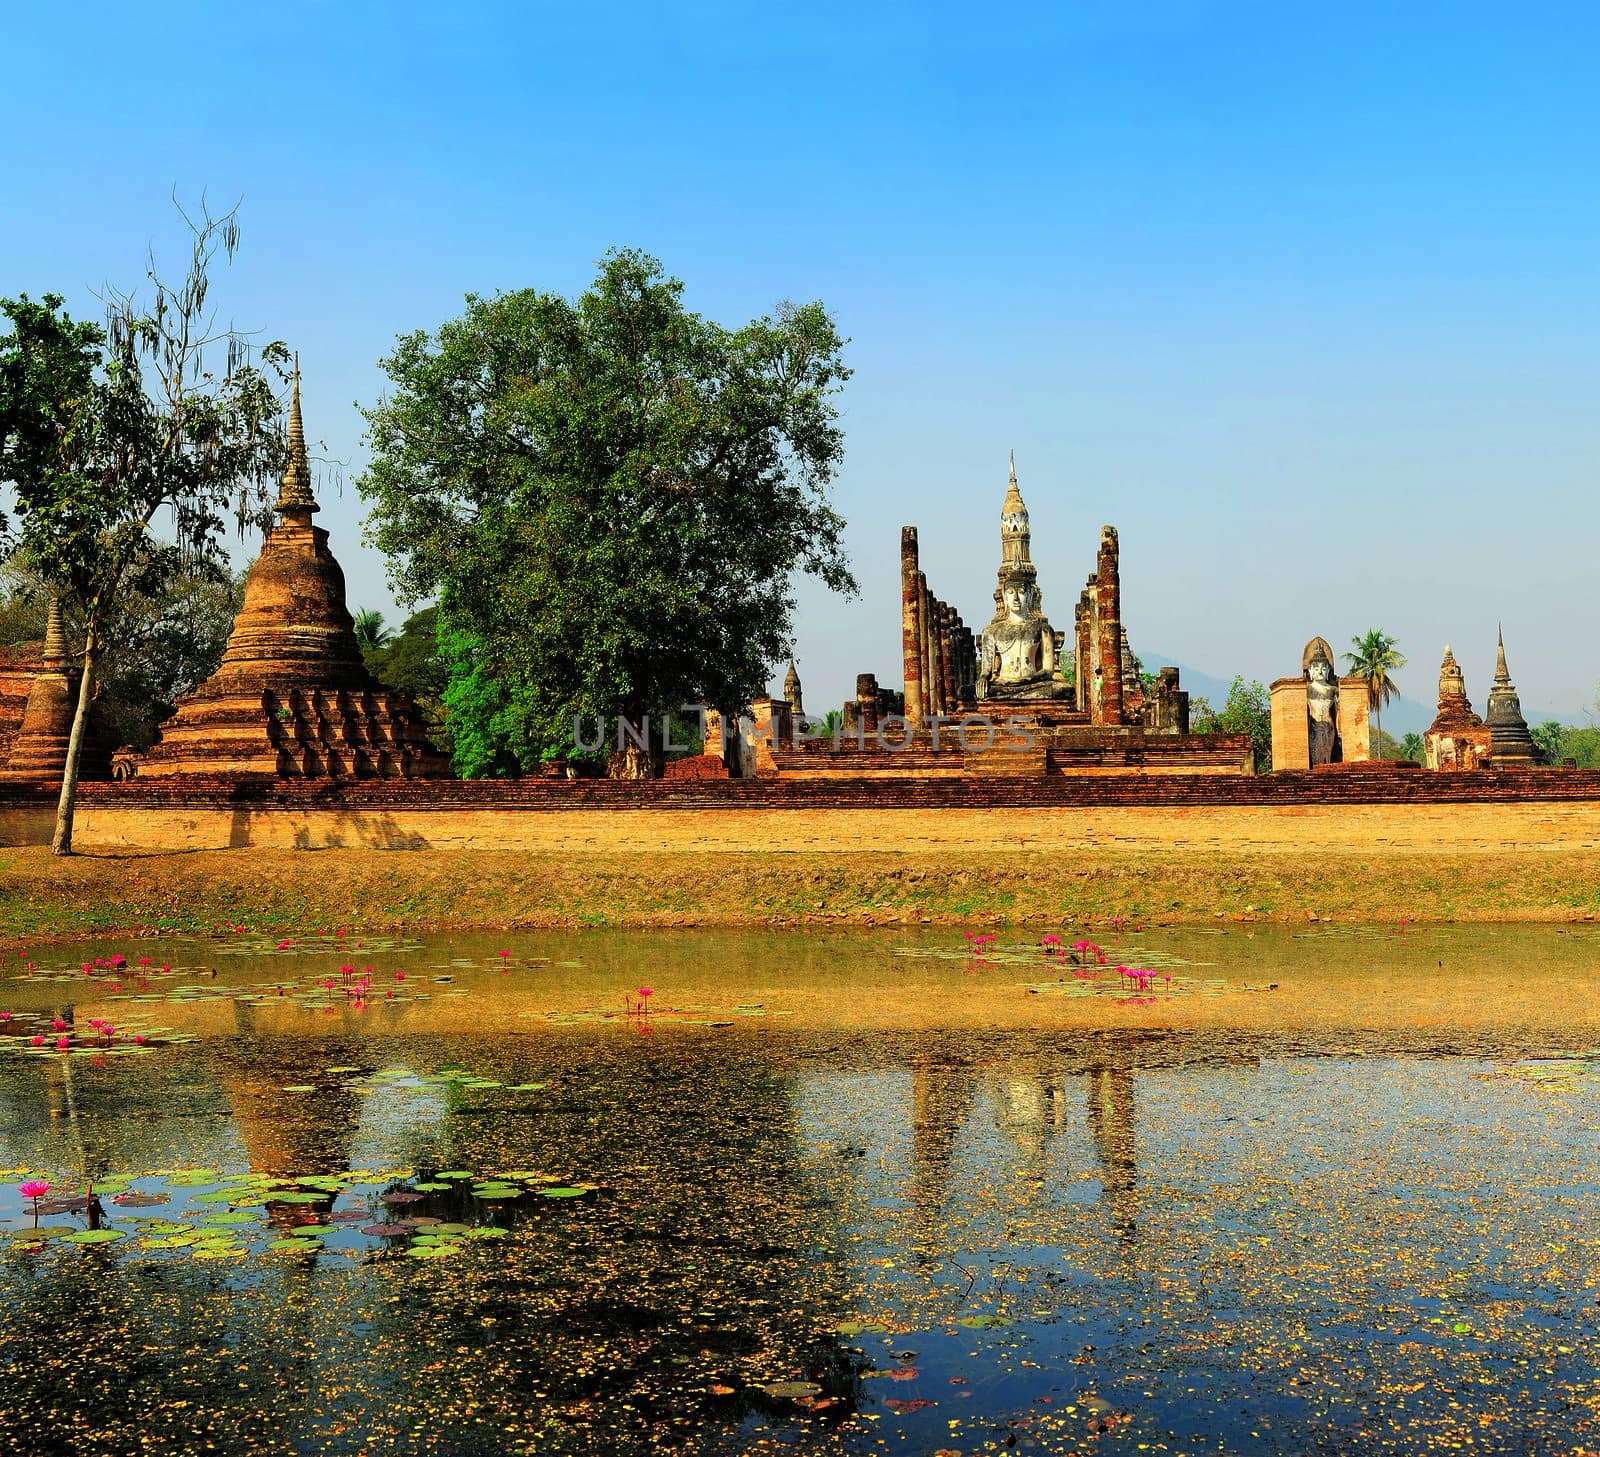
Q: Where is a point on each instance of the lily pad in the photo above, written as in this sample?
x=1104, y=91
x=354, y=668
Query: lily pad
x=92, y=1236
x=790, y=1390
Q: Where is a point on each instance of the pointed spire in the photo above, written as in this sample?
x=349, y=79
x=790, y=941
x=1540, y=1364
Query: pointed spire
x=1502, y=675
x=1013, y=502
x=55, y=636
x=294, y=494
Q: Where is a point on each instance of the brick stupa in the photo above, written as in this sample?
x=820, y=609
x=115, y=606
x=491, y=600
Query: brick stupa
x=292, y=698
x=1458, y=738
x=38, y=745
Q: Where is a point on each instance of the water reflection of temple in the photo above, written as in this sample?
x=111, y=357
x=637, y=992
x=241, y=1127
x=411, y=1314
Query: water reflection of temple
x=1029, y=1096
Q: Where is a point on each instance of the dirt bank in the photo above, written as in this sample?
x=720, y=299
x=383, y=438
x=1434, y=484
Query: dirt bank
x=1005, y=875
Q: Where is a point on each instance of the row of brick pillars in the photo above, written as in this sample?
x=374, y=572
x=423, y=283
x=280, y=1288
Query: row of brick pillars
x=939, y=653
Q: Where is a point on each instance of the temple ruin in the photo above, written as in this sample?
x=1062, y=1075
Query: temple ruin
x=292, y=697
x=1088, y=707
x=38, y=741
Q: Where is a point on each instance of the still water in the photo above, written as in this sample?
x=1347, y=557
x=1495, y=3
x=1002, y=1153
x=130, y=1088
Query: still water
x=1325, y=1191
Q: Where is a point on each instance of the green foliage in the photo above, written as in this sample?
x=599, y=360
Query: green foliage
x=1376, y=658
x=1410, y=747
x=1246, y=710
x=1559, y=742
x=105, y=436
x=410, y=662
x=609, y=496
x=371, y=632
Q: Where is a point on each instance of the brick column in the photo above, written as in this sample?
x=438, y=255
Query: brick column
x=867, y=701
x=925, y=662
x=911, y=621
x=1108, y=625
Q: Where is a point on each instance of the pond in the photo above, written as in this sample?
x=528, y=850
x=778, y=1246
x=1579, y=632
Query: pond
x=1229, y=1190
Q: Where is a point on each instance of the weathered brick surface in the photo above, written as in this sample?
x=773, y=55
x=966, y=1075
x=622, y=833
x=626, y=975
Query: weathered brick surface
x=890, y=791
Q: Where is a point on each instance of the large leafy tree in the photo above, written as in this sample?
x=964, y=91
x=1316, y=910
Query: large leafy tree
x=128, y=449
x=1376, y=657
x=609, y=496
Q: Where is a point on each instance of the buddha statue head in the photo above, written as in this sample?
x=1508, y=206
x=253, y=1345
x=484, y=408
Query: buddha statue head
x=1018, y=598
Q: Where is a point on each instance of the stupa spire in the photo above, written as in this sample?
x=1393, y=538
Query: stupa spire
x=294, y=492
x=55, y=636
x=1013, y=503
x=1510, y=744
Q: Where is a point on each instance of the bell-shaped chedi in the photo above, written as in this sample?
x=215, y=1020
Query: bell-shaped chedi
x=292, y=697
x=1511, y=746
x=39, y=747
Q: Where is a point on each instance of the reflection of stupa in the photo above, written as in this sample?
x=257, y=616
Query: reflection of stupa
x=292, y=697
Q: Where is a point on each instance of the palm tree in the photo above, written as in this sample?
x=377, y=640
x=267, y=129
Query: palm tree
x=1376, y=656
x=371, y=634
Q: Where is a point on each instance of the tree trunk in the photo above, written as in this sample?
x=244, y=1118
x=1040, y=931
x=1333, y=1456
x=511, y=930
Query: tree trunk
x=61, y=844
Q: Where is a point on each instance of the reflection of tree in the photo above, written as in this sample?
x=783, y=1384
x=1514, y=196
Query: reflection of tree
x=708, y=1259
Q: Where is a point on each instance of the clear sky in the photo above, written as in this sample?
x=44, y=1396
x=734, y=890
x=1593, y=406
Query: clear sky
x=1304, y=299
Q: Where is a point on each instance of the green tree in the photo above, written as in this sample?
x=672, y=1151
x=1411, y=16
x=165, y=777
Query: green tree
x=1246, y=710
x=371, y=631
x=1375, y=658
x=609, y=497
x=410, y=662
x=106, y=435
x=1411, y=747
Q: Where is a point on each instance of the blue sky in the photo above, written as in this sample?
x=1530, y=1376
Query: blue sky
x=1305, y=300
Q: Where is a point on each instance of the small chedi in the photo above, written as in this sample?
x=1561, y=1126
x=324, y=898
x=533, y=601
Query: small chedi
x=292, y=697
x=1319, y=718
x=1459, y=739
x=1511, y=746
x=37, y=740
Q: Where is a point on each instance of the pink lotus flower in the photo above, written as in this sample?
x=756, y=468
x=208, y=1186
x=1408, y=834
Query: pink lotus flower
x=144, y=961
x=57, y=1025
x=63, y=1044
x=37, y=1040
x=399, y=976
x=502, y=953
x=119, y=961
x=5, y=1016
x=34, y=1189
x=138, y=1037
x=647, y=991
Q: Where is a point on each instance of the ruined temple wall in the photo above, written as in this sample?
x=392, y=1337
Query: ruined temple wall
x=1416, y=810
